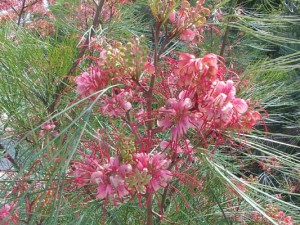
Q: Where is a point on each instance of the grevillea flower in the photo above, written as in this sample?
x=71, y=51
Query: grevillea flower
x=210, y=64
x=187, y=35
x=249, y=119
x=8, y=214
x=117, y=104
x=176, y=114
x=115, y=180
x=220, y=106
x=188, y=63
x=149, y=68
x=156, y=167
x=110, y=179
x=89, y=83
x=48, y=126
x=172, y=17
x=82, y=171
x=198, y=72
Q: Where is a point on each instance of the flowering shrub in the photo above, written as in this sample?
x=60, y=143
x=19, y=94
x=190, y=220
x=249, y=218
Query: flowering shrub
x=190, y=93
x=169, y=95
x=167, y=114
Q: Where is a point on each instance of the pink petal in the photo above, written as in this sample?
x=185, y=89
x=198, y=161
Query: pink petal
x=240, y=105
x=172, y=17
x=187, y=35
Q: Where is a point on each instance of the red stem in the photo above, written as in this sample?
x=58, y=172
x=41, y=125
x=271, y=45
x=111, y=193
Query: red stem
x=149, y=208
x=149, y=94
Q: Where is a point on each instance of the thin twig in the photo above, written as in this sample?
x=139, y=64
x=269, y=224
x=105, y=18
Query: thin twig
x=225, y=37
x=163, y=199
x=21, y=12
x=12, y=160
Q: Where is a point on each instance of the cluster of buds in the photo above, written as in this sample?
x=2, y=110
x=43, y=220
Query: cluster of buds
x=47, y=128
x=128, y=59
x=117, y=64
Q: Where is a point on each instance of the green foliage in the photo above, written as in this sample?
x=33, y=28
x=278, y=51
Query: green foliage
x=30, y=70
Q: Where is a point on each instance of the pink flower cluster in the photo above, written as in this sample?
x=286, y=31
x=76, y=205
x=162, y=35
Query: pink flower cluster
x=220, y=106
x=110, y=179
x=156, y=167
x=115, y=180
x=192, y=71
x=188, y=19
x=47, y=128
x=177, y=114
x=168, y=96
x=207, y=100
x=283, y=219
x=196, y=97
x=8, y=214
x=96, y=80
x=16, y=4
x=89, y=83
x=117, y=104
x=34, y=14
x=116, y=65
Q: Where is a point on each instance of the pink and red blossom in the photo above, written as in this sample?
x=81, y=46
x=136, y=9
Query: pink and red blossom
x=156, y=166
x=89, y=83
x=176, y=114
x=8, y=214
